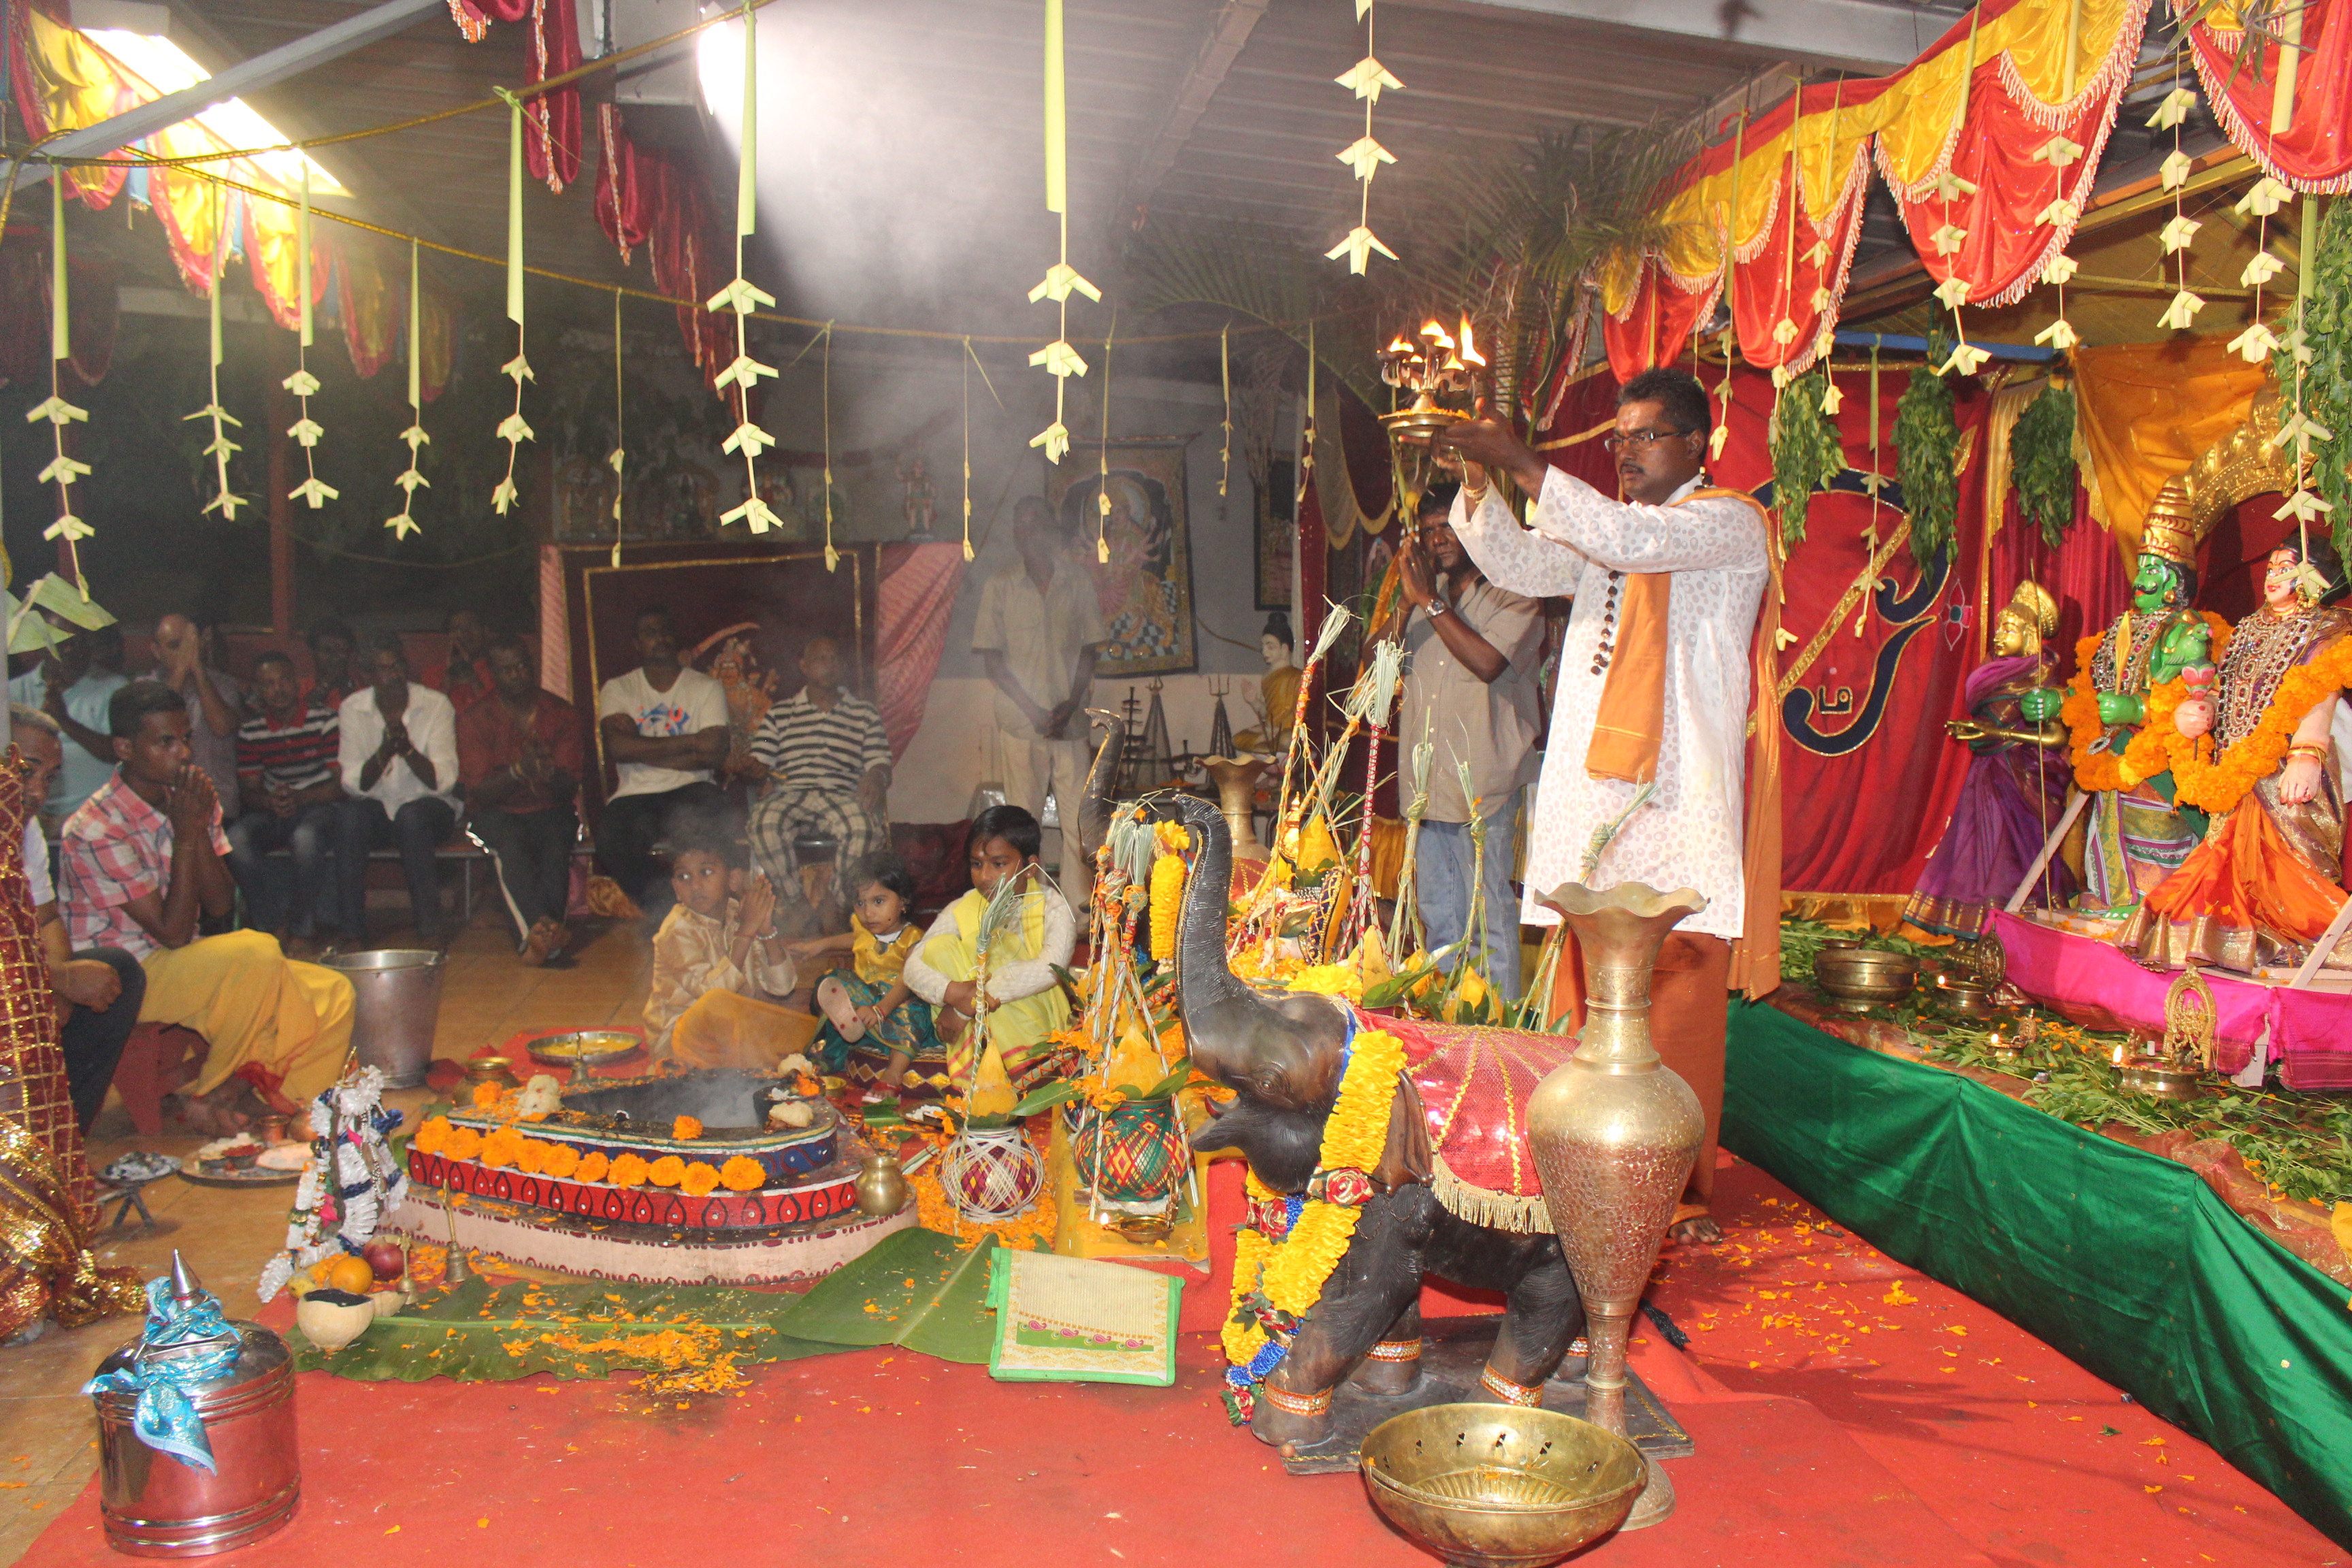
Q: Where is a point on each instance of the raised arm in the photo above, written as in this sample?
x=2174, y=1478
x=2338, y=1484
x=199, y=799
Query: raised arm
x=1719, y=534
x=1510, y=556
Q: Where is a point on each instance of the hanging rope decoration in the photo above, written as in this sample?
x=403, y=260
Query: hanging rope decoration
x=413, y=437
x=513, y=430
x=1367, y=79
x=742, y=298
x=225, y=502
x=302, y=383
x=1953, y=292
x=1102, y=475
x=1226, y=375
x=1059, y=359
x=972, y=363
x=832, y=556
x=2173, y=173
x=1306, y=431
x=617, y=457
x=2304, y=504
x=62, y=470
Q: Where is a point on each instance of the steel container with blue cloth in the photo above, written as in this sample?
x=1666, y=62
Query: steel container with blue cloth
x=196, y=1429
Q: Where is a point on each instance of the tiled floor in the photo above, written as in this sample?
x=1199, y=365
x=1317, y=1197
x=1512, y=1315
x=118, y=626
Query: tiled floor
x=48, y=1447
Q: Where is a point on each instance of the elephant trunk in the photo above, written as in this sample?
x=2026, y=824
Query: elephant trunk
x=1284, y=1048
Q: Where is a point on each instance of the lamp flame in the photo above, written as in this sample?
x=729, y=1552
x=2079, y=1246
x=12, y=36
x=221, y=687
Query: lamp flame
x=1470, y=354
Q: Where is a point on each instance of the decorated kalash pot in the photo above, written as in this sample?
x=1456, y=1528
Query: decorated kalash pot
x=195, y=1428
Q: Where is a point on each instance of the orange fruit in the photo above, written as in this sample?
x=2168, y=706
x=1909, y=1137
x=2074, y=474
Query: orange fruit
x=353, y=1274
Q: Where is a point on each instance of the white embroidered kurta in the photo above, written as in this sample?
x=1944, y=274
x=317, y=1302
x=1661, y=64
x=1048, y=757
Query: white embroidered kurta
x=1688, y=834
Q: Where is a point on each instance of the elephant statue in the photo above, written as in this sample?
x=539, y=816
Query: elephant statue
x=1454, y=1191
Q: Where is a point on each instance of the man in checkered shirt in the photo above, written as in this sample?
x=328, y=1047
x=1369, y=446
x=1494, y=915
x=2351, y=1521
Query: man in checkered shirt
x=144, y=858
x=827, y=764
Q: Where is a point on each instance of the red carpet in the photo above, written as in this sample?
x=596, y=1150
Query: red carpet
x=1819, y=1446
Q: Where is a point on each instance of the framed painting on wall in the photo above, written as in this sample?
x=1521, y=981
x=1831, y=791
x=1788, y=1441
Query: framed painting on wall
x=1146, y=588
x=1277, y=533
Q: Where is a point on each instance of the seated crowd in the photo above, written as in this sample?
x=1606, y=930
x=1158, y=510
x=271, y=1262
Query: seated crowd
x=172, y=793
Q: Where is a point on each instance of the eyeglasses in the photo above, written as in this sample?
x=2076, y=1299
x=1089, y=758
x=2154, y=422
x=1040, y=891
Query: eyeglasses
x=1639, y=440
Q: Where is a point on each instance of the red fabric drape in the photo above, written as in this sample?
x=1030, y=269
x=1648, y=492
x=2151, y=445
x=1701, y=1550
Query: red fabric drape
x=2007, y=245
x=1792, y=272
x=652, y=200
x=912, y=610
x=2084, y=574
x=1657, y=327
x=2314, y=152
x=1868, y=776
x=551, y=142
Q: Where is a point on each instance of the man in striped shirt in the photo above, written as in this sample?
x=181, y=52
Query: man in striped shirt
x=293, y=796
x=827, y=764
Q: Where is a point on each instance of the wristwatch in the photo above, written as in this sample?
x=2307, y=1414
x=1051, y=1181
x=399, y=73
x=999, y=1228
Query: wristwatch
x=1437, y=607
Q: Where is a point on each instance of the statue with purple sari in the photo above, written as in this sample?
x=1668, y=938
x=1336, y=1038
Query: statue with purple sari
x=2016, y=783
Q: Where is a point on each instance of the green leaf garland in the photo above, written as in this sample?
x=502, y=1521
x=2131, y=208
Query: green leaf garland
x=2327, y=381
x=1927, y=450
x=1806, y=453
x=2041, y=462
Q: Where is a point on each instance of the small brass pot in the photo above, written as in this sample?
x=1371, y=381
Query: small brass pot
x=1964, y=997
x=1857, y=979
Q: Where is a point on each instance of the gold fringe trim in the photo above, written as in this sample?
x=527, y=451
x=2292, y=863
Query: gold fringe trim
x=1483, y=1205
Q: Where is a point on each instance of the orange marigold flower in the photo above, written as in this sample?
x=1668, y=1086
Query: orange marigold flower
x=686, y=1127
x=486, y=1095
x=503, y=1147
x=463, y=1143
x=530, y=1156
x=431, y=1137
x=591, y=1167
x=667, y=1172
x=702, y=1180
x=742, y=1174
x=558, y=1159
x=630, y=1171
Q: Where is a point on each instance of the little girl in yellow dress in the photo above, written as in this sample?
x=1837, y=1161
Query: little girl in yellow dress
x=877, y=1032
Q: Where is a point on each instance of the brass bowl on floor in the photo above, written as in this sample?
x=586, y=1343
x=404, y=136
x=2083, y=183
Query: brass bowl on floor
x=1857, y=979
x=1497, y=1487
x=583, y=1048
x=1964, y=996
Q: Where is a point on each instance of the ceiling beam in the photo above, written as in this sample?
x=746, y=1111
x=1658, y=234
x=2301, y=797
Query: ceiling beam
x=1229, y=30
x=262, y=70
x=1853, y=34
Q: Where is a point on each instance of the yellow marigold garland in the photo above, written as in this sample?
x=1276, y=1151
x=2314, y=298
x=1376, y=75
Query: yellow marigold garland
x=701, y=1179
x=1166, y=897
x=1292, y=1271
x=742, y=1174
x=593, y=1167
x=2154, y=748
x=667, y=1172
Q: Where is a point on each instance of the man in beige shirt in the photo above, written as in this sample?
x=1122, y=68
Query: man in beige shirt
x=1039, y=630
x=1471, y=654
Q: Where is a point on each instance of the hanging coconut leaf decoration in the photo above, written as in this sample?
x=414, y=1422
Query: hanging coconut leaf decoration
x=2327, y=379
x=2041, y=462
x=1927, y=453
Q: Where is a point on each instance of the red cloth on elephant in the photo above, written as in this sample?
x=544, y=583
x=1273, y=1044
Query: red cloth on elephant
x=1474, y=1083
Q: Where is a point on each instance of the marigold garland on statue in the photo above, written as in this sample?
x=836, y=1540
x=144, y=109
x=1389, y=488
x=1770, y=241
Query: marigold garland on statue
x=1288, y=1275
x=2157, y=747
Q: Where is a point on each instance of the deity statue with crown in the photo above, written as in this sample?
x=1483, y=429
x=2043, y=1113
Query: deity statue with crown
x=2160, y=648
x=2016, y=785
x=2262, y=750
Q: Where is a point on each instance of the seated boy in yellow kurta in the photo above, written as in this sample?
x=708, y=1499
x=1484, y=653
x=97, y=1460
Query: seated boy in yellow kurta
x=720, y=969
x=1025, y=1001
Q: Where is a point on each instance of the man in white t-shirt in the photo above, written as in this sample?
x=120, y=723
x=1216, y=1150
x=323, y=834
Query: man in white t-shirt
x=664, y=729
x=397, y=743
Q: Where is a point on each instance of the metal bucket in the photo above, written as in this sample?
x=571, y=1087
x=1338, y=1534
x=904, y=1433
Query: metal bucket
x=398, y=1000
x=154, y=1505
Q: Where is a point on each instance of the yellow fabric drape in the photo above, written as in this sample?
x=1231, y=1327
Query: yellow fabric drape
x=2143, y=412
x=1912, y=121
x=253, y=1003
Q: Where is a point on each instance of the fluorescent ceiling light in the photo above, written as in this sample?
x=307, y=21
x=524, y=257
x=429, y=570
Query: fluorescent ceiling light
x=165, y=67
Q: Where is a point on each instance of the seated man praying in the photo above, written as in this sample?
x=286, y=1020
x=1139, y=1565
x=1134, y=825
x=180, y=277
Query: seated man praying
x=144, y=859
x=827, y=766
x=720, y=971
x=398, y=747
x=96, y=992
x=287, y=768
x=521, y=754
x=1032, y=934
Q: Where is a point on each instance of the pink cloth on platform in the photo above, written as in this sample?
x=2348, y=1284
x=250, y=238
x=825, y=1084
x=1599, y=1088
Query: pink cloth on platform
x=2098, y=987
x=2311, y=1033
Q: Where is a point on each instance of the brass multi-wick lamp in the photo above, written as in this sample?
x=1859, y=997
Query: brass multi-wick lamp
x=1430, y=364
